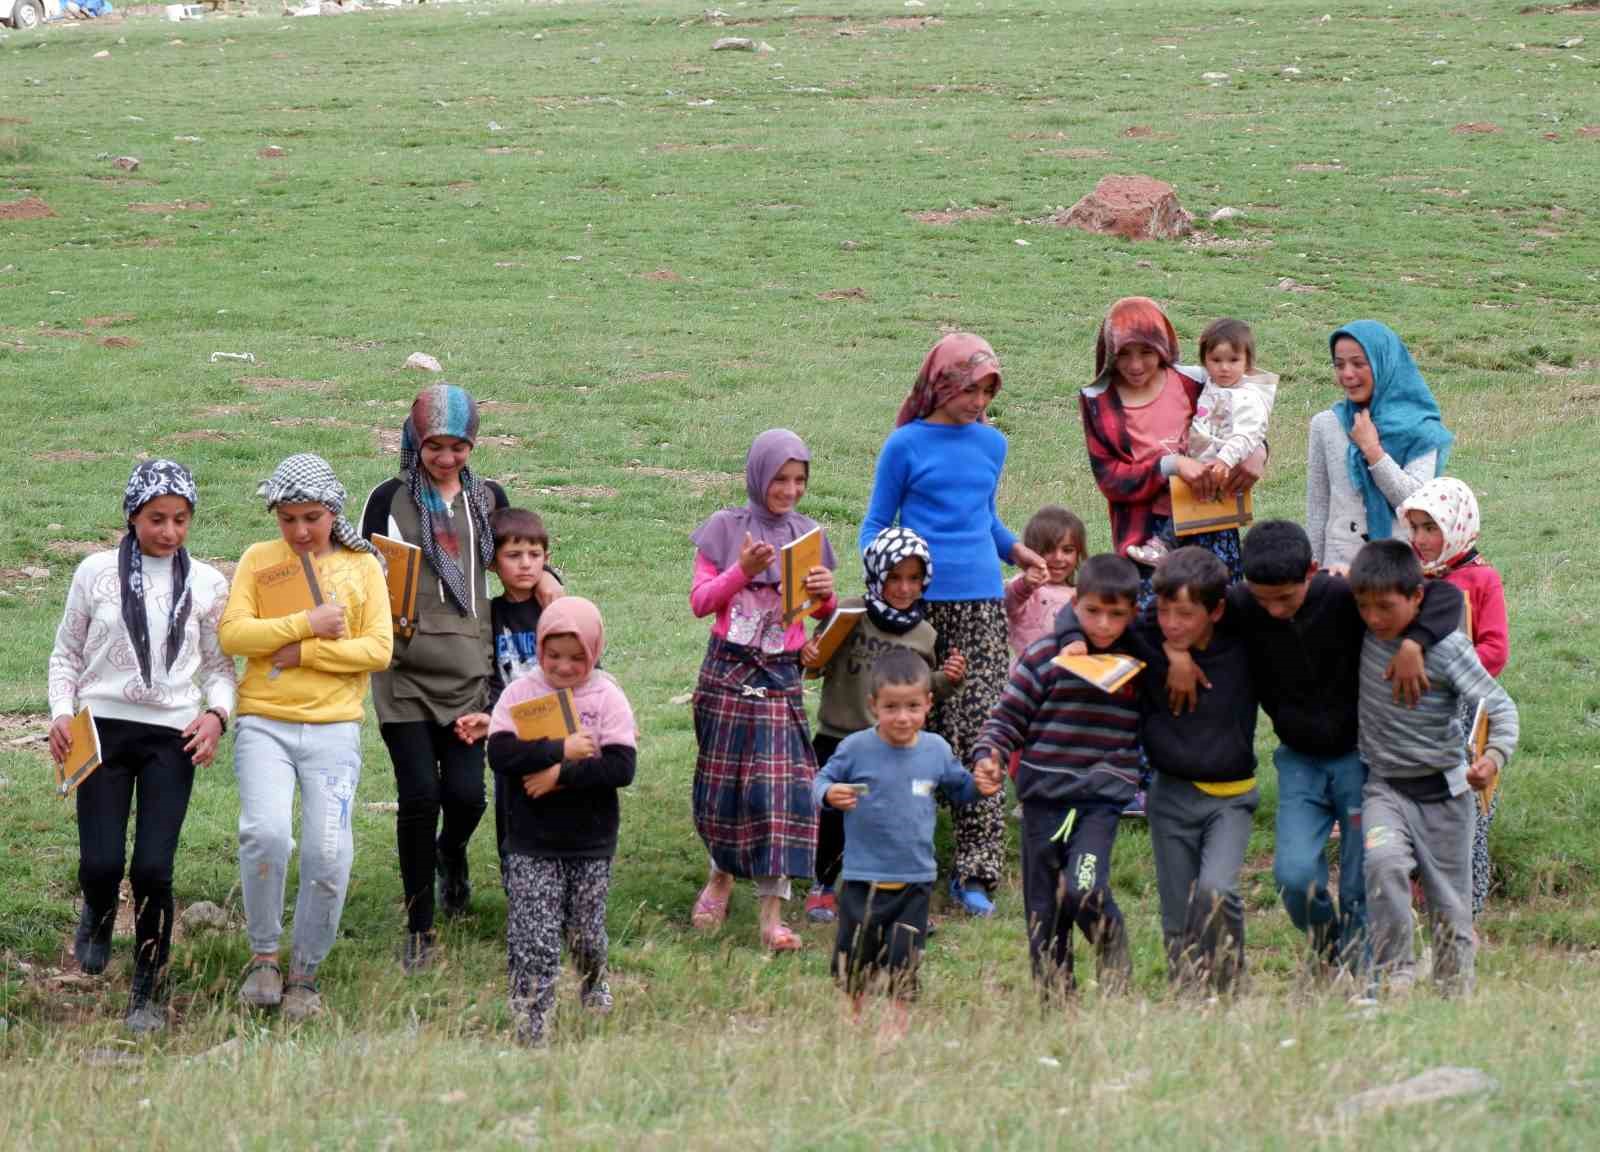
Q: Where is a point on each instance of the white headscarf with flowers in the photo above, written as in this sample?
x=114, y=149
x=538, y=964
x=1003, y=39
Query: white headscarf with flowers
x=1454, y=509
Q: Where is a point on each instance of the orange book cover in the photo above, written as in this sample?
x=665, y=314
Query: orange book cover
x=1480, y=745
x=832, y=634
x=403, y=562
x=287, y=588
x=548, y=717
x=797, y=559
x=82, y=758
x=1191, y=516
x=1105, y=671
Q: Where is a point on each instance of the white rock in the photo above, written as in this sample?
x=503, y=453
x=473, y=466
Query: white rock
x=1213, y=75
x=422, y=362
x=1325, y=19
x=915, y=4
x=102, y=55
x=1020, y=243
x=1291, y=70
x=1572, y=43
x=736, y=44
x=1227, y=214
x=1434, y=1084
x=203, y=915
x=493, y=127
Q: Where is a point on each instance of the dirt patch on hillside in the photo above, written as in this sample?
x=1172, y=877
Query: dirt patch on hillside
x=953, y=215
x=285, y=384
x=167, y=207
x=28, y=208
x=695, y=481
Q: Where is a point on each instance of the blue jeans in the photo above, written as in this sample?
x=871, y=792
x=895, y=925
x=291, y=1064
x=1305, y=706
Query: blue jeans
x=1313, y=792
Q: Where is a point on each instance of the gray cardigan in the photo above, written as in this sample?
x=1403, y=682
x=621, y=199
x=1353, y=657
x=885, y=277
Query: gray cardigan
x=1336, y=513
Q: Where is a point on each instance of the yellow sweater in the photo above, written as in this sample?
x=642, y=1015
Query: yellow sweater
x=330, y=685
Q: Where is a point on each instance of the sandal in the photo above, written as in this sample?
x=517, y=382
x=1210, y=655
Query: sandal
x=781, y=939
x=709, y=912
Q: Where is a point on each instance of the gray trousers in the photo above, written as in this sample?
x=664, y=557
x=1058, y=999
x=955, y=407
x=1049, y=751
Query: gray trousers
x=1199, y=841
x=1434, y=839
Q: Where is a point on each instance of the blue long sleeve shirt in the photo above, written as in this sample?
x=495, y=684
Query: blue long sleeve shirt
x=940, y=480
x=888, y=835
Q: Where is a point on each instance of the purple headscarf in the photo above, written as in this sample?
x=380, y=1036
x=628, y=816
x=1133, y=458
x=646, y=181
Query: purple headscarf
x=721, y=536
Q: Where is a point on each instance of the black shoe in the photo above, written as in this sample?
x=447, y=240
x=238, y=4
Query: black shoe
x=417, y=951
x=92, y=946
x=147, y=1002
x=455, y=893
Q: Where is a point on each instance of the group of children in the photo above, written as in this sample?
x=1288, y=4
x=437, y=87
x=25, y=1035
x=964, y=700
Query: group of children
x=949, y=678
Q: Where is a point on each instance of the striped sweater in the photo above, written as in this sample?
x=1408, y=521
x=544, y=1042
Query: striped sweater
x=1413, y=743
x=1078, y=744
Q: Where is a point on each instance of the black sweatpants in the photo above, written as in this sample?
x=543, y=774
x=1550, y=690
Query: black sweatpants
x=830, y=822
x=434, y=773
x=1081, y=854
x=881, y=935
x=148, y=759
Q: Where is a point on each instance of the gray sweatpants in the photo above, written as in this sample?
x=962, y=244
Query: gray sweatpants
x=1199, y=841
x=1434, y=839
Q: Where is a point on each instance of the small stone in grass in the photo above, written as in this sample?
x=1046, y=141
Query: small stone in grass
x=422, y=362
x=203, y=915
x=1435, y=1084
x=126, y=163
x=1227, y=214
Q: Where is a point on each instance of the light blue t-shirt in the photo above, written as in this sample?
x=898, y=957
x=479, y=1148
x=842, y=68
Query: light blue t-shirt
x=940, y=481
x=888, y=835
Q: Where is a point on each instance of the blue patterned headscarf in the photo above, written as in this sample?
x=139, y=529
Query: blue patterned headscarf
x=150, y=479
x=1404, y=411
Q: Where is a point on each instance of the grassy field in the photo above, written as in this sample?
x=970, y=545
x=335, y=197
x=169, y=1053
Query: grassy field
x=643, y=253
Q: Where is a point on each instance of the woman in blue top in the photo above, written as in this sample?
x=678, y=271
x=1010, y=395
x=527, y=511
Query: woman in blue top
x=937, y=475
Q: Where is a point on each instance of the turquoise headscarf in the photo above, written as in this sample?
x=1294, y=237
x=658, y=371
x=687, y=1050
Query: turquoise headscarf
x=1404, y=411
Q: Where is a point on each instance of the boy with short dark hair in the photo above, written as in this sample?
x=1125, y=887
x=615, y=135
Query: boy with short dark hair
x=1078, y=767
x=884, y=779
x=1418, y=805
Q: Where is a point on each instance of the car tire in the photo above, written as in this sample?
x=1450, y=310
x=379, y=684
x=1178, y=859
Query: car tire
x=27, y=15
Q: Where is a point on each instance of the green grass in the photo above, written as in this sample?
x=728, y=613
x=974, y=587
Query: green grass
x=632, y=380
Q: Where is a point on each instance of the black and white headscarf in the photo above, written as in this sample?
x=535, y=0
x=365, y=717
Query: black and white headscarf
x=150, y=479
x=887, y=549
x=308, y=479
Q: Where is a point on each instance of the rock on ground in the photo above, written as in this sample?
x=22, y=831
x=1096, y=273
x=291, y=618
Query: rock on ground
x=1135, y=207
x=1434, y=1084
x=422, y=362
x=203, y=915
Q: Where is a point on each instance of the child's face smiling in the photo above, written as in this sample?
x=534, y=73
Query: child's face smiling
x=443, y=458
x=968, y=405
x=1351, y=370
x=1225, y=364
x=901, y=710
x=519, y=564
x=903, y=586
x=1137, y=366
x=562, y=659
x=1061, y=561
x=786, y=488
x=307, y=528
x=1426, y=539
x=162, y=525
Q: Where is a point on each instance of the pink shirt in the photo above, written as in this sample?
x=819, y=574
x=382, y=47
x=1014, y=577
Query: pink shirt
x=1486, y=603
x=1031, y=613
x=603, y=710
x=746, y=614
x=1158, y=428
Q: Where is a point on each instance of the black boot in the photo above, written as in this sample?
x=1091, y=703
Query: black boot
x=455, y=893
x=92, y=946
x=147, y=1001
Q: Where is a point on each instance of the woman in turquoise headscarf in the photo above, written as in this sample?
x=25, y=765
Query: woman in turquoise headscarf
x=1374, y=448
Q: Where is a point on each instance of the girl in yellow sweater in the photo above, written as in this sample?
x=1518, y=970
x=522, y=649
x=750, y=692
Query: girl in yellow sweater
x=300, y=708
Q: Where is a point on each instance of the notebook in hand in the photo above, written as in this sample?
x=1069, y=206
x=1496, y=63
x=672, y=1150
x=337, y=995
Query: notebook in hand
x=83, y=757
x=1191, y=516
x=833, y=634
x=1106, y=671
x=547, y=717
x=403, y=562
x=1480, y=744
x=797, y=558
x=287, y=588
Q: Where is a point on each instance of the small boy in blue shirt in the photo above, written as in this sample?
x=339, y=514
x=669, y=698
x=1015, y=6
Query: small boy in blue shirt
x=884, y=779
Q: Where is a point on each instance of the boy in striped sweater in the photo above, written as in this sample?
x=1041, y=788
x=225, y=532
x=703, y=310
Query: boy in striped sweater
x=1418, y=805
x=1079, y=766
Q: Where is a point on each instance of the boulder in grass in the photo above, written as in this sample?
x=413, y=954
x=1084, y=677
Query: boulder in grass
x=203, y=916
x=1134, y=207
x=422, y=362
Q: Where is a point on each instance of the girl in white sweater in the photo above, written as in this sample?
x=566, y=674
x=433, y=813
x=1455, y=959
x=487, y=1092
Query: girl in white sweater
x=139, y=629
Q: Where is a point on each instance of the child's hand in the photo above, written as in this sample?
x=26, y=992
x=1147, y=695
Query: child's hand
x=1036, y=578
x=1031, y=563
x=1364, y=435
x=579, y=746
x=1407, y=674
x=810, y=655
x=990, y=778
x=1217, y=476
x=548, y=589
x=1184, y=681
x=1246, y=472
x=204, y=734
x=1194, y=474
x=840, y=796
x=60, y=738
x=819, y=583
x=955, y=666
x=287, y=657
x=754, y=558
x=327, y=621
x=542, y=783
x=472, y=727
x=1076, y=648
x=1482, y=773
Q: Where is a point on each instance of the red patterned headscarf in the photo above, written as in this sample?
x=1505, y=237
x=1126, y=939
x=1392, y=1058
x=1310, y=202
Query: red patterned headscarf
x=1134, y=320
x=954, y=362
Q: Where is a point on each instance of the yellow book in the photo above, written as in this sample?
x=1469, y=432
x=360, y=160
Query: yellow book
x=1191, y=516
x=1480, y=745
x=548, y=717
x=1108, y=672
x=797, y=559
x=833, y=634
x=403, y=562
x=82, y=758
x=286, y=588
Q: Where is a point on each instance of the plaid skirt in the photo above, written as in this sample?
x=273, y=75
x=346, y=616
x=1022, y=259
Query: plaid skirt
x=753, y=774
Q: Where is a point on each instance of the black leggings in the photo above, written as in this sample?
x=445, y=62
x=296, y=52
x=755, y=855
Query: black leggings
x=830, y=822
x=150, y=759
x=434, y=772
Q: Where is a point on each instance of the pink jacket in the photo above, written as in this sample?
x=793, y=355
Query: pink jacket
x=1486, y=603
x=1031, y=613
x=746, y=615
